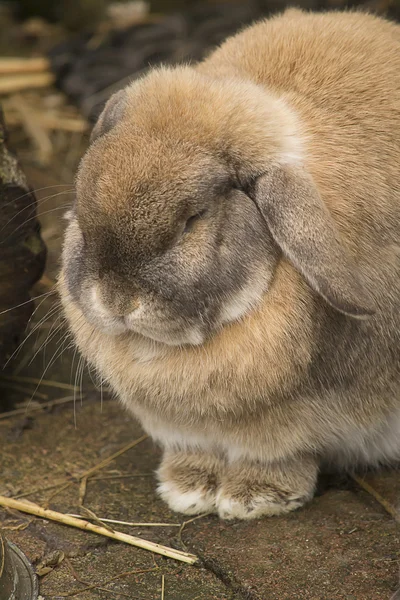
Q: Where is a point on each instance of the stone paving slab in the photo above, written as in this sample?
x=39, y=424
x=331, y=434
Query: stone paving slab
x=387, y=484
x=49, y=450
x=342, y=546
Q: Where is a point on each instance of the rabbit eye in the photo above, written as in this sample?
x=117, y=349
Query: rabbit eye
x=192, y=220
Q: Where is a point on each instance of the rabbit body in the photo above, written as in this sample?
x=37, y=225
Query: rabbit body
x=300, y=363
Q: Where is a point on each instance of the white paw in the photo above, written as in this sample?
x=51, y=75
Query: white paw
x=232, y=508
x=189, y=503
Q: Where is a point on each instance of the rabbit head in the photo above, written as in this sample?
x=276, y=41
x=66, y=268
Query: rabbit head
x=192, y=190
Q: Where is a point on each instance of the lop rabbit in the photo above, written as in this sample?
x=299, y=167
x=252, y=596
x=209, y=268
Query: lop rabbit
x=232, y=262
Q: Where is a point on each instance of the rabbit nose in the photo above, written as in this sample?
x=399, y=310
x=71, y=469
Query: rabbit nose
x=126, y=309
x=112, y=305
x=134, y=311
x=135, y=305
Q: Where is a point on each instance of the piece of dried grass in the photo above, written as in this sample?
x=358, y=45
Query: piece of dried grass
x=52, y=515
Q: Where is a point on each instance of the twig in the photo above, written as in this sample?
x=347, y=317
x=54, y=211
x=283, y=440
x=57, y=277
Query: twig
x=122, y=476
x=17, y=83
x=162, y=587
x=2, y=555
x=22, y=390
x=52, y=515
x=93, y=517
x=82, y=491
x=129, y=524
x=183, y=525
x=46, y=282
x=19, y=527
x=46, y=382
x=70, y=480
x=97, y=467
x=58, y=491
x=29, y=409
x=34, y=129
x=38, y=489
x=23, y=65
x=107, y=461
x=72, y=124
x=86, y=584
x=94, y=586
x=56, y=121
x=375, y=494
x=73, y=572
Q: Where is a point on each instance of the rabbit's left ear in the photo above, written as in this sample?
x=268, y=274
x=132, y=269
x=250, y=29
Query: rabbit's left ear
x=111, y=114
x=307, y=235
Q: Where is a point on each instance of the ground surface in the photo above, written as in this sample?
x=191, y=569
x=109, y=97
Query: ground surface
x=343, y=546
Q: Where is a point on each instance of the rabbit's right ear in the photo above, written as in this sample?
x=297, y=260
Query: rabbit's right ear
x=111, y=114
x=303, y=228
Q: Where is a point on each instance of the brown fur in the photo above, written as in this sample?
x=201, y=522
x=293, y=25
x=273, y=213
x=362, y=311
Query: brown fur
x=293, y=123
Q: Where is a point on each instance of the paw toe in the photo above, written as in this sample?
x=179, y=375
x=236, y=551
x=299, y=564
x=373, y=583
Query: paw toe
x=190, y=502
x=254, y=506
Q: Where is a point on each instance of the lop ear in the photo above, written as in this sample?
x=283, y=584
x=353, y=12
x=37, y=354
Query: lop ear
x=111, y=114
x=307, y=235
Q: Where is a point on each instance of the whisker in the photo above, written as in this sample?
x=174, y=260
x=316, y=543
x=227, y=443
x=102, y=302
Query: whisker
x=27, y=302
x=75, y=384
x=72, y=366
x=96, y=380
x=84, y=362
x=47, y=339
x=27, y=356
x=52, y=311
x=74, y=346
x=34, y=312
x=58, y=323
x=47, y=187
x=49, y=313
x=34, y=204
x=16, y=351
x=55, y=306
x=83, y=365
x=56, y=355
x=63, y=207
x=36, y=326
x=73, y=362
x=64, y=346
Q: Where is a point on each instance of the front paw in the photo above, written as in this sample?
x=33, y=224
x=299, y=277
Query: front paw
x=251, y=504
x=191, y=502
x=250, y=491
x=189, y=482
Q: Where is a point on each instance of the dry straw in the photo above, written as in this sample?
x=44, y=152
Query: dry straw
x=38, y=511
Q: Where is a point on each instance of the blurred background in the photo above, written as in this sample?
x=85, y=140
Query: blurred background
x=77, y=52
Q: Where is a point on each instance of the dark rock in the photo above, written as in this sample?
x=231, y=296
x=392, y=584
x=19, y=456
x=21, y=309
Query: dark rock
x=22, y=252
